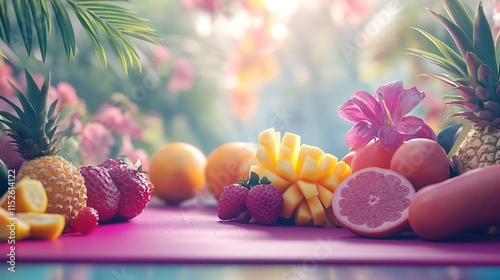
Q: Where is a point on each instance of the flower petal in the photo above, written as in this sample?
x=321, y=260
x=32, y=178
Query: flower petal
x=413, y=127
x=350, y=112
x=389, y=138
x=360, y=134
x=399, y=101
x=370, y=107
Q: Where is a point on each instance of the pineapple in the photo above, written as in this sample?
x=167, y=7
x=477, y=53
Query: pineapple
x=33, y=132
x=473, y=72
x=305, y=175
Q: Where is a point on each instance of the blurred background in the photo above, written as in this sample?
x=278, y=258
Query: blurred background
x=224, y=70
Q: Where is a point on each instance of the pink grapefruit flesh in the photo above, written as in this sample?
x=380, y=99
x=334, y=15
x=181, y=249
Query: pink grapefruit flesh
x=373, y=202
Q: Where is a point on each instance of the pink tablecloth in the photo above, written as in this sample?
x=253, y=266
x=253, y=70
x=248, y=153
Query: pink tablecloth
x=179, y=235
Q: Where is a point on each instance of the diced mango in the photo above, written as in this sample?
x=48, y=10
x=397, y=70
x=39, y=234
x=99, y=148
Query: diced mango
x=42, y=225
x=325, y=196
x=342, y=170
x=30, y=196
x=327, y=165
x=291, y=199
x=330, y=181
x=270, y=140
x=292, y=141
x=284, y=153
x=308, y=189
x=303, y=215
x=285, y=169
x=317, y=211
x=308, y=151
x=265, y=159
x=309, y=170
x=280, y=183
x=12, y=228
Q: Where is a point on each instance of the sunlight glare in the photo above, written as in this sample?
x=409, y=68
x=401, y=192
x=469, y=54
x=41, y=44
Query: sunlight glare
x=284, y=8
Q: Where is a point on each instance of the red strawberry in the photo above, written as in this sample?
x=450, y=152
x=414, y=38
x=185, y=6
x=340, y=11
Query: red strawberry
x=265, y=203
x=85, y=221
x=102, y=193
x=232, y=201
x=135, y=188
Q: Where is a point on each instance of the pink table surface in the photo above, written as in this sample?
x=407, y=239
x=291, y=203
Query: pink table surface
x=180, y=235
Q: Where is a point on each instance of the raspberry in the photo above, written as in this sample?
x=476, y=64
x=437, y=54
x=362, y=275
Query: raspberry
x=265, y=203
x=232, y=201
x=86, y=221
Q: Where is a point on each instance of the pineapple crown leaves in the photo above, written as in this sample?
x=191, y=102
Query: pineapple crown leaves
x=254, y=180
x=473, y=70
x=34, y=127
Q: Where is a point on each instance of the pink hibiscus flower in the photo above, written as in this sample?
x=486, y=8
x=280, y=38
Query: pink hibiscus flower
x=383, y=116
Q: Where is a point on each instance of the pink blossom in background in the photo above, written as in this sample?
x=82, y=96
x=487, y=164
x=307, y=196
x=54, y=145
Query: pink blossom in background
x=66, y=93
x=6, y=75
x=207, y=5
x=161, y=55
x=6, y=90
x=351, y=12
x=495, y=23
x=96, y=143
x=182, y=77
x=118, y=121
x=127, y=149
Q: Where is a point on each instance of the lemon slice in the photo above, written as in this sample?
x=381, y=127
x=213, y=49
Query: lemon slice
x=30, y=196
x=43, y=225
x=12, y=228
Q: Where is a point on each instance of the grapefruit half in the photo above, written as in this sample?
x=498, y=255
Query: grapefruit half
x=373, y=202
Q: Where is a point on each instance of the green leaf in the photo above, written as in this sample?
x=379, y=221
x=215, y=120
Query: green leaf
x=460, y=16
x=448, y=136
x=24, y=22
x=448, y=52
x=39, y=12
x=484, y=47
x=65, y=27
x=497, y=50
x=442, y=62
x=4, y=22
x=461, y=39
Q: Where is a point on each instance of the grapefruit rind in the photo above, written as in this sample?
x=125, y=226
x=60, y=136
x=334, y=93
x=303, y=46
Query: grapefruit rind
x=305, y=175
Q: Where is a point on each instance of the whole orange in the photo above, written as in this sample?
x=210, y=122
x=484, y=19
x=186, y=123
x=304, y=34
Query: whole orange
x=229, y=163
x=177, y=171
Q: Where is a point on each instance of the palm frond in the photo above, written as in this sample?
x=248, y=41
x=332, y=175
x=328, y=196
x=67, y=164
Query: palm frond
x=108, y=24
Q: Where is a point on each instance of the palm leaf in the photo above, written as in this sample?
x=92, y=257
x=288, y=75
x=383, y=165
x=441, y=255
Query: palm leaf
x=106, y=22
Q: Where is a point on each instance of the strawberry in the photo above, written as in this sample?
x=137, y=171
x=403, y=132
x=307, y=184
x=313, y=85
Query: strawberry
x=265, y=202
x=85, y=221
x=135, y=188
x=232, y=201
x=102, y=193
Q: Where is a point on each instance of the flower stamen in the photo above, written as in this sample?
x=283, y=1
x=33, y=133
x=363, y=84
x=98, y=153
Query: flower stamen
x=389, y=121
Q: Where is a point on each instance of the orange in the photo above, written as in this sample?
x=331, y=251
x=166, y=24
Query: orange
x=229, y=163
x=177, y=171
